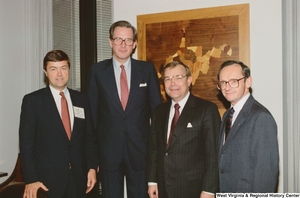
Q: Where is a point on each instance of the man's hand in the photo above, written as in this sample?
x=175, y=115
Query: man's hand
x=91, y=180
x=206, y=195
x=153, y=191
x=32, y=188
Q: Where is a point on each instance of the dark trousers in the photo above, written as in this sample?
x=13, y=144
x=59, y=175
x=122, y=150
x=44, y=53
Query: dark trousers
x=162, y=190
x=113, y=181
x=71, y=189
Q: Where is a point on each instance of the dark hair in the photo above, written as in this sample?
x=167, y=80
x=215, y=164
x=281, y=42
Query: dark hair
x=245, y=68
x=56, y=56
x=174, y=64
x=122, y=24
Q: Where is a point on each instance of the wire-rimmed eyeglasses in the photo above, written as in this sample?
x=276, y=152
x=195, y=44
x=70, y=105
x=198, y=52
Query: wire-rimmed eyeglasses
x=119, y=41
x=176, y=78
x=233, y=83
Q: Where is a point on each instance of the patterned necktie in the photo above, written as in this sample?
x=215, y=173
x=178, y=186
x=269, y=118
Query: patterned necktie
x=229, y=122
x=174, y=121
x=124, y=87
x=65, y=116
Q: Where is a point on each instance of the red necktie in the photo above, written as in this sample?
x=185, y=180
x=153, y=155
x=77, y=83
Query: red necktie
x=124, y=87
x=65, y=116
x=174, y=121
x=229, y=122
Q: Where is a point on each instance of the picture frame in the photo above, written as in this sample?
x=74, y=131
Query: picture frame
x=200, y=38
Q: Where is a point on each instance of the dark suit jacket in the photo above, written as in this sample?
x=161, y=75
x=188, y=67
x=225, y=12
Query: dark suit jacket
x=249, y=159
x=189, y=165
x=117, y=128
x=45, y=149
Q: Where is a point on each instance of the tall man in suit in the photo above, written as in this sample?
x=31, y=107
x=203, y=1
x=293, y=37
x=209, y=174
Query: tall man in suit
x=183, y=162
x=248, y=156
x=60, y=163
x=123, y=125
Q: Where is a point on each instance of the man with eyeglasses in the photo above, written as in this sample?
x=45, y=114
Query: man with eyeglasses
x=248, y=155
x=123, y=94
x=183, y=145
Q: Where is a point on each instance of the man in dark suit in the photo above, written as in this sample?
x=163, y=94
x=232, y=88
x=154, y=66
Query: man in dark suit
x=60, y=163
x=183, y=162
x=248, y=156
x=123, y=119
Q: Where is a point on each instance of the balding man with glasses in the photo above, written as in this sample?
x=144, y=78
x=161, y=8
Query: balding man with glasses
x=182, y=157
x=248, y=154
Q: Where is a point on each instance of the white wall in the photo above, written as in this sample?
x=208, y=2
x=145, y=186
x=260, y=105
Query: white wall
x=265, y=45
x=12, y=79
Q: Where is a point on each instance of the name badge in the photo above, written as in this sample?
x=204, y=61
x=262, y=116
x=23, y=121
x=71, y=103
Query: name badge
x=79, y=112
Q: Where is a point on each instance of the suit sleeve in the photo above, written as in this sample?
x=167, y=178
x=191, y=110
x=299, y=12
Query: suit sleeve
x=155, y=100
x=93, y=94
x=152, y=153
x=27, y=138
x=264, y=153
x=154, y=94
x=211, y=130
x=91, y=140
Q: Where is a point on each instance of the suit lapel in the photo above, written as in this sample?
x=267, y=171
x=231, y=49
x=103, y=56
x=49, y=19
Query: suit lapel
x=164, y=117
x=134, y=82
x=184, y=118
x=52, y=111
x=75, y=102
x=243, y=115
x=110, y=81
x=223, y=128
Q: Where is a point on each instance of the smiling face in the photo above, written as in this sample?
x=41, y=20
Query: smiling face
x=177, y=89
x=234, y=95
x=122, y=52
x=58, y=74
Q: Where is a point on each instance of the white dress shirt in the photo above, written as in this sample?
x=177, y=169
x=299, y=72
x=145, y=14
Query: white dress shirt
x=172, y=111
x=117, y=71
x=237, y=108
x=57, y=99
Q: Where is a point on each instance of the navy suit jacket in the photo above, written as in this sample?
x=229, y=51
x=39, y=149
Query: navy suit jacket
x=118, y=129
x=189, y=165
x=45, y=150
x=249, y=159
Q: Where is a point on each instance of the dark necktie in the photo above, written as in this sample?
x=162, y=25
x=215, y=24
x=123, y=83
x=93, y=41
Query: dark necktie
x=124, y=87
x=174, y=121
x=65, y=116
x=229, y=122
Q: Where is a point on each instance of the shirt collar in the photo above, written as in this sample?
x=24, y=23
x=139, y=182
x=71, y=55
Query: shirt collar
x=117, y=64
x=182, y=102
x=56, y=92
x=238, y=106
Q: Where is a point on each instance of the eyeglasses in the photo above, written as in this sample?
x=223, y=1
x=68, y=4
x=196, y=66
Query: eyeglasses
x=119, y=41
x=176, y=78
x=233, y=83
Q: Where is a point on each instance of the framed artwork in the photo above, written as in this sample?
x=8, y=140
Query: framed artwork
x=201, y=38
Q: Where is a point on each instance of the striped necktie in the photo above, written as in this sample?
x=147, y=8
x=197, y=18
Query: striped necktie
x=229, y=122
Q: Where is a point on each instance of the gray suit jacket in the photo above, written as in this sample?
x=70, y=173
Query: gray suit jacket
x=249, y=159
x=189, y=165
